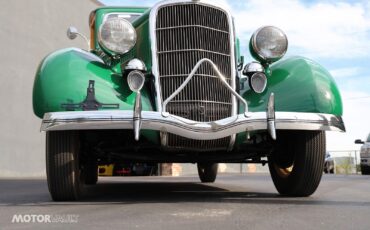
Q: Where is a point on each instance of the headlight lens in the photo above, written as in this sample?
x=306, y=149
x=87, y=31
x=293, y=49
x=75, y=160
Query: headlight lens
x=135, y=80
x=258, y=82
x=117, y=35
x=269, y=44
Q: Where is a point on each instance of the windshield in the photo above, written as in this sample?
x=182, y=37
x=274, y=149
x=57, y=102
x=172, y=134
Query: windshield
x=368, y=138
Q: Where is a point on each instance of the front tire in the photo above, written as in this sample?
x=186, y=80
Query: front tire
x=207, y=172
x=62, y=165
x=297, y=162
x=91, y=173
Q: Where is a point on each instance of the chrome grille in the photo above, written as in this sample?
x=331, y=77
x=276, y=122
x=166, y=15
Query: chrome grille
x=186, y=33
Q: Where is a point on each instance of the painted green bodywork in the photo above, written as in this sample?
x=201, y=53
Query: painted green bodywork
x=299, y=84
x=63, y=77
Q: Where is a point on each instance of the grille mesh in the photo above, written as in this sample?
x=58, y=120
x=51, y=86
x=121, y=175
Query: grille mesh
x=187, y=33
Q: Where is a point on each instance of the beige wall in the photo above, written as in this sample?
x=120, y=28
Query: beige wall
x=29, y=30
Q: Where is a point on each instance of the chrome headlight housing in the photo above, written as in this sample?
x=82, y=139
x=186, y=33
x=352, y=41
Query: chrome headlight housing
x=117, y=35
x=268, y=44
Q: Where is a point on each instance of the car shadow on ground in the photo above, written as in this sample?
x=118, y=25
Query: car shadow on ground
x=165, y=192
x=35, y=193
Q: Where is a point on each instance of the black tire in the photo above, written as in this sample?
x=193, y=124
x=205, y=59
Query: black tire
x=365, y=170
x=297, y=162
x=331, y=171
x=207, y=172
x=62, y=165
x=90, y=172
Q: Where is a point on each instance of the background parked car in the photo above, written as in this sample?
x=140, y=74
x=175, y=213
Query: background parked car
x=365, y=155
x=329, y=164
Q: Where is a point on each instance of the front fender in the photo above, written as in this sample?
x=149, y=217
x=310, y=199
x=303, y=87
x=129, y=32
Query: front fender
x=299, y=85
x=63, y=77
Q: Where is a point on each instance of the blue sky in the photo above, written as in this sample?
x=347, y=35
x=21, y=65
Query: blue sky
x=334, y=33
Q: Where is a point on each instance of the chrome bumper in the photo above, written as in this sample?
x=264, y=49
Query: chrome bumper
x=98, y=120
x=168, y=123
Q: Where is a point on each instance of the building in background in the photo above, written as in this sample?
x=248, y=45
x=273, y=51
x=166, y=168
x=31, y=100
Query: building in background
x=29, y=31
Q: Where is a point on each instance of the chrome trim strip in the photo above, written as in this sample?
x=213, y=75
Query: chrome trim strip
x=214, y=102
x=271, y=127
x=185, y=75
x=152, y=26
x=190, y=50
x=98, y=120
x=191, y=26
x=137, y=116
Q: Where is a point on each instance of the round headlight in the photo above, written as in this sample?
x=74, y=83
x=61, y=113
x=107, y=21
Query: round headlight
x=117, y=35
x=268, y=44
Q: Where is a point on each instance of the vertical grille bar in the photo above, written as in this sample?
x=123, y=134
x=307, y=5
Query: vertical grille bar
x=187, y=33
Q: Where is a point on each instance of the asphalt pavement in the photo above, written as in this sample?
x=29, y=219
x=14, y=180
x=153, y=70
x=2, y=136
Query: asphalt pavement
x=235, y=201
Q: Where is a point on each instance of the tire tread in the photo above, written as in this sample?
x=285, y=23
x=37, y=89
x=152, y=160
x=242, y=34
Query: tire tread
x=62, y=165
x=309, y=147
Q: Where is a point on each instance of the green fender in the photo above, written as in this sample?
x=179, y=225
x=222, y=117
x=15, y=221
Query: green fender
x=299, y=85
x=63, y=77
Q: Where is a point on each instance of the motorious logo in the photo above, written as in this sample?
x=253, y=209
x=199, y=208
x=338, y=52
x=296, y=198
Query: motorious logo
x=40, y=218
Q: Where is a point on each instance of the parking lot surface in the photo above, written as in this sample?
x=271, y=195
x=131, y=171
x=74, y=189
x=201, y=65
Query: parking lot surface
x=235, y=201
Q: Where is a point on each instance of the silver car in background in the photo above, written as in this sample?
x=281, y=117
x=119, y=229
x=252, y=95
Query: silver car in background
x=329, y=164
x=365, y=155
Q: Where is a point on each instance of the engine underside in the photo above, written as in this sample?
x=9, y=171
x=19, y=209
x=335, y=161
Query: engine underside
x=111, y=146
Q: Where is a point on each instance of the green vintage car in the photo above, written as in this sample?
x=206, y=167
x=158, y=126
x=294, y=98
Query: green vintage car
x=169, y=84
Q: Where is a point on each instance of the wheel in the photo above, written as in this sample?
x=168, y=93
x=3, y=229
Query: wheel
x=297, y=162
x=90, y=172
x=207, y=172
x=365, y=170
x=62, y=165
